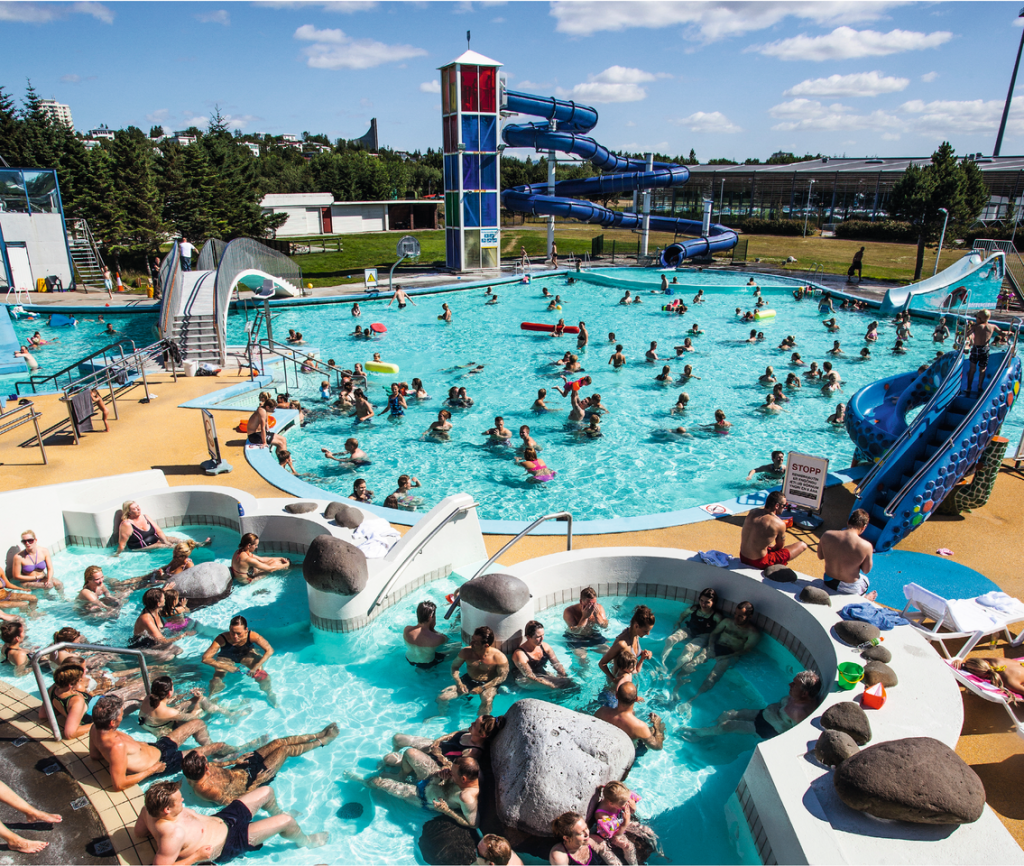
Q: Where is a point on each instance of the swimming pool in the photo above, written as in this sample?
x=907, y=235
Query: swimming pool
x=360, y=681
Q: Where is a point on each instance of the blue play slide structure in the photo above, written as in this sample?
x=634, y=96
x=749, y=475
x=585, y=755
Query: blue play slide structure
x=573, y=122
x=918, y=463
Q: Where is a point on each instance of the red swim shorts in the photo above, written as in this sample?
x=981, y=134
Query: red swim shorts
x=778, y=556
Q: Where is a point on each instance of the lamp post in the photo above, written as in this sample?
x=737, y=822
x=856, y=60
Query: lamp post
x=806, y=209
x=942, y=237
x=1009, y=94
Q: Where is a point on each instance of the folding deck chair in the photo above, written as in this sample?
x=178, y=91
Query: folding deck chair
x=965, y=618
x=986, y=690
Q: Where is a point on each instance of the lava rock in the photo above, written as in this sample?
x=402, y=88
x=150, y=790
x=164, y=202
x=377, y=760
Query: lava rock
x=548, y=760
x=445, y=843
x=815, y=595
x=834, y=747
x=350, y=811
x=879, y=672
x=854, y=632
x=343, y=514
x=300, y=507
x=849, y=718
x=779, y=574
x=918, y=779
x=877, y=654
x=204, y=584
x=334, y=565
x=496, y=593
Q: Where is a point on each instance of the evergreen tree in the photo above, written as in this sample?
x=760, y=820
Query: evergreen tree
x=38, y=131
x=197, y=216
x=72, y=169
x=137, y=196
x=12, y=143
x=98, y=199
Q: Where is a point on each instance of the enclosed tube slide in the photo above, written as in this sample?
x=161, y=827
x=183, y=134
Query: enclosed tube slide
x=623, y=175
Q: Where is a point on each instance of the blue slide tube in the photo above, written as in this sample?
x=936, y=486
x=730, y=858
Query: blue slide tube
x=624, y=175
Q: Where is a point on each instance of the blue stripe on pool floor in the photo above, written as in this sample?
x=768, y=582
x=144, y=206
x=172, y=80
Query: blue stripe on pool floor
x=941, y=575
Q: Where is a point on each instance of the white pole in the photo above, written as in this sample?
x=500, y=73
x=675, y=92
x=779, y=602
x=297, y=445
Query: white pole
x=941, y=239
x=807, y=209
x=551, y=191
x=646, y=236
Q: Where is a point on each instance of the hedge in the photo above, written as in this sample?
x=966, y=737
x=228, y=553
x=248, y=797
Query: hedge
x=881, y=230
x=760, y=226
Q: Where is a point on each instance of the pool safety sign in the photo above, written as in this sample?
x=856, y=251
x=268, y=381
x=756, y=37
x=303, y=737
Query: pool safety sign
x=488, y=237
x=370, y=278
x=804, y=485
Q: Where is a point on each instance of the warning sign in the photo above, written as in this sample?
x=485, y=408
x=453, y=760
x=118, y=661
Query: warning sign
x=370, y=278
x=805, y=480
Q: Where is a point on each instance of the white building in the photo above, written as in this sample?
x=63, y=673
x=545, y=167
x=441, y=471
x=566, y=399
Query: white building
x=57, y=112
x=253, y=146
x=100, y=132
x=317, y=213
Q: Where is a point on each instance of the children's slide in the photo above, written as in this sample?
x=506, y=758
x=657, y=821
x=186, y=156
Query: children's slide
x=970, y=283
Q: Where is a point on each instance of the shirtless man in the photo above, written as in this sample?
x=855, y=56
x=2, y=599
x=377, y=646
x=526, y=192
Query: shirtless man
x=422, y=640
x=222, y=782
x=652, y=353
x=618, y=359
x=622, y=716
x=981, y=333
x=640, y=625
x=763, y=537
x=499, y=434
x=626, y=299
x=182, y=836
x=775, y=469
x=446, y=316
x=785, y=713
x=583, y=621
x=453, y=792
x=129, y=760
x=401, y=297
x=258, y=431
x=486, y=669
x=848, y=557
x=730, y=639
x=533, y=656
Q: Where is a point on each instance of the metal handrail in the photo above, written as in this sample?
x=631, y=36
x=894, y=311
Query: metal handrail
x=561, y=516
x=10, y=421
x=398, y=572
x=1008, y=356
x=44, y=695
x=33, y=381
x=287, y=353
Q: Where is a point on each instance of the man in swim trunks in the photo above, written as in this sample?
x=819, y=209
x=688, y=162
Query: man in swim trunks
x=763, y=537
x=453, y=792
x=583, y=621
x=731, y=639
x=181, y=835
x=785, y=713
x=258, y=431
x=652, y=353
x=486, y=669
x=618, y=359
x=981, y=333
x=622, y=716
x=848, y=557
x=223, y=782
x=401, y=297
x=422, y=640
x=130, y=761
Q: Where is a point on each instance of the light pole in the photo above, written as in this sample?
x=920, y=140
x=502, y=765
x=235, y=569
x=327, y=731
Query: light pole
x=806, y=209
x=1009, y=94
x=942, y=237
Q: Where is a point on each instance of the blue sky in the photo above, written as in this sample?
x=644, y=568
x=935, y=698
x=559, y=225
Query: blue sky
x=726, y=79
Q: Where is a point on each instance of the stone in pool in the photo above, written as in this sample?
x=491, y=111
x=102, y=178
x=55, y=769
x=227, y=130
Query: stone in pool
x=496, y=593
x=204, y=584
x=334, y=565
x=350, y=811
x=855, y=633
x=849, y=718
x=343, y=515
x=300, y=507
x=549, y=760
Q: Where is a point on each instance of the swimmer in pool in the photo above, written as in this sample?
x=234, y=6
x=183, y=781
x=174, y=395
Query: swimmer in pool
x=664, y=283
x=796, y=360
x=872, y=335
x=698, y=298
x=836, y=349
x=627, y=299
x=721, y=425
x=528, y=440
x=552, y=305
x=793, y=381
x=753, y=336
x=464, y=399
x=832, y=384
x=360, y=492
x=865, y=354
x=813, y=372
x=748, y=316
x=593, y=430
x=594, y=406
x=838, y=418
x=618, y=359
x=778, y=394
x=539, y=405
x=898, y=348
x=760, y=336
x=499, y=434
x=446, y=316
x=422, y=641
x=941, y=332
x=769, y=407
x=686, y=347
x=687, y=375
x=681, y=404
x=402, y=298
x=354, y=455
x=775, y=469
x=403, y=497
x=538, y=470
x=665, y=377
x=768, y=378
x=652, y=353
x=441, y=427
x=573, y=365
x=493, y=300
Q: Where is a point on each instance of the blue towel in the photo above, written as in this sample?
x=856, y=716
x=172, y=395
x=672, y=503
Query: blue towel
x=714, y=557
x=864, y=611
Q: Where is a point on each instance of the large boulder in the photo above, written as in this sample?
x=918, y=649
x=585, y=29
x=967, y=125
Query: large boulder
x=834, y=747
x=879, y=672
x=849, y=718
x=496, y=593
x=300, y=507
x=333, y=565
x=815, y=595
x=445, y=843
x=549, y=760
x=343, y=514
x=918, y=779
x=854, y=632
x=877, y=654
x=204, y=584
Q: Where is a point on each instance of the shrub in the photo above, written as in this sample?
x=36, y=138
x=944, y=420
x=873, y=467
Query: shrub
x=761, y=226
x=880, y=230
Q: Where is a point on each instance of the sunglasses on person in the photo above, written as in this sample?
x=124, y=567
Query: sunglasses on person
x=28, y=541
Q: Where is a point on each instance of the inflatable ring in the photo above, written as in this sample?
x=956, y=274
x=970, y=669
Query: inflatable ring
x=380, y=367
x=760, y=315
x=544, y=328
x=243, y=426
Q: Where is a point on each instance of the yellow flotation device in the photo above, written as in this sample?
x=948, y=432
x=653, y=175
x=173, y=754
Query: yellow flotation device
x=380, y=367
x=764, y=314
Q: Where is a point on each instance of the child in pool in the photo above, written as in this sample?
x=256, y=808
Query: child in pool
x=721, y=426
x=623, y=666
x=838, y=418
x=539, y=405
x=898, y=348
x=325, y=390
x=681, y=404
x=615, y=822
x=175, y=612
x=593, y=430
x=574, y=386
x=284, y=460
x=865, y=354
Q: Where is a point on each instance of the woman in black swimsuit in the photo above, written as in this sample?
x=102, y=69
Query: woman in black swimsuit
x=68, y=702
x=246, y=566
x=139, y=531
x=148, y=634
x=532, y=658
x=423, y=757
x=694, y=626
x=237, y=646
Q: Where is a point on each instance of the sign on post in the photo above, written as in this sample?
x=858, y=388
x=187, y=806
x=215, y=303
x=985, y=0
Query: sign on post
x=370, y=279
x=215, y=465
x=804, y=485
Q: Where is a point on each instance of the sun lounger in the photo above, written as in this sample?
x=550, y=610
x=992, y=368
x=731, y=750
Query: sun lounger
x=960, y=618
x=985, y=689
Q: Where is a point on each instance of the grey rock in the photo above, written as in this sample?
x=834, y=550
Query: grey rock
x=343, y=514
x=445, y=843
x=855, y=633
x=815, y=595
x=549, y=760
x=834, y=747
x=918, y=779
x=877, y=654
x=300, y=507
x=849, y=718
x=204, y=584
x=779, y=573
x=333, y=565
x=879, y=672
x=496, y=593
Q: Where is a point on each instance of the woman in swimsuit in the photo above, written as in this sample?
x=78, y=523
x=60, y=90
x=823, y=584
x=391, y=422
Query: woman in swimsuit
x=577, y=847
x=15, y=598
x=148, y=633
x=237, y=646
x=694, y=626
x=424, y=757
x=246, y=566
x=396, y=402
x=441, y=427
x=537, y=468
x=69, y=704
x=159, y=716
x=94, y=599
x=33, y=567
x=582, y=338
x=13, y=633
x=418, y=391
x=1006, y=674
x=139, y=531
x=181, y=558
x=532, y=658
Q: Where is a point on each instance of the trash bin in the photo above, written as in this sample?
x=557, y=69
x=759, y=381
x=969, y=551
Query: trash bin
x=190, y=367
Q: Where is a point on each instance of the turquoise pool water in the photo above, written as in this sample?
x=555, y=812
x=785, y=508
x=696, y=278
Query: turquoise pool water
x=361, y=681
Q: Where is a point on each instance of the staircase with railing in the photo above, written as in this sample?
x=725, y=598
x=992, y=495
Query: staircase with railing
x=85, y=254
x=1013, y=278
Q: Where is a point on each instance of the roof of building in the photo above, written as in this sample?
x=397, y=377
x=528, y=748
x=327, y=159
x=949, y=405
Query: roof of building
x=869, y=165
x=473, y=58
x=325, y=199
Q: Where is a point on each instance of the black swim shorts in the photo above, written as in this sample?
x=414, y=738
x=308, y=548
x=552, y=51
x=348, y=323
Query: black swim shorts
x=979, y=356
x=584, y=641
x=253, y=766
x=238, y=818
x=170, y=754
x=426, y=666
x=763, y=728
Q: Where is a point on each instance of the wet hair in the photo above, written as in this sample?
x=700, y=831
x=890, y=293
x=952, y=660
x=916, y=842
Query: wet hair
x=193, y=765
x=615, y=792
x=425, y=610
x=161, y=688
x=531, y=627
x=563, y=824
x=106, y=710
x=467, y=767
x=90, y=571
x=247, y=539
x=68, y=675
x=496, y=849
x=589, y=592
x=68, y=634
x=859, y=518
x=809, y=681
x=745, y=607
x=486, y=634
x=184, y=549
x=10, y=630
x=490, y=725
x=708, y=592
x=642, y=615
x=625, y=661
x=171, y=598
x=530, y=454
x=283, y=457
x=152, y=599
x=160, y=795
x=626, y=694
x=238, y=620
x=391, y=501
x=403, y=479
x=774, y=500
x=719, y=415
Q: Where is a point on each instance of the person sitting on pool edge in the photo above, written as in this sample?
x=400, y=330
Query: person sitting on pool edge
x=422, y=640
x=763, y=536
x=486, y=669
x=775, y=719
x=848, y=557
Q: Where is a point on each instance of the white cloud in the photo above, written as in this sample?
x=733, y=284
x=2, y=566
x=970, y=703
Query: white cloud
x=857, y=84
x=342, y=6
x=431, y=86
x=708, y=21
x=615, y=84
x=332, y=49
x=929, y=77
x=218, y=16
x=44, y=13
x=705, y=121
x=497, y=20
x=644, y=147
x=158, y=116
x=534, y=87
x=845, y=43
x=70, y=79
x=238, y=121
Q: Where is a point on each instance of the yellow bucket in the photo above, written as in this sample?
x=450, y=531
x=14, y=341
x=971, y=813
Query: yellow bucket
x=850, y=673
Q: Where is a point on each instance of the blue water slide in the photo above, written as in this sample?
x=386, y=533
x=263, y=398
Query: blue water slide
x=624, y=175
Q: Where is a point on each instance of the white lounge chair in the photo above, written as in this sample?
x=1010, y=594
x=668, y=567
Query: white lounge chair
x=960, y=618
x=984, y=689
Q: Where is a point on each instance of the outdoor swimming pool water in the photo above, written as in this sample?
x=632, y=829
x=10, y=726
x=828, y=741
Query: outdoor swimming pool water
x=361, y=681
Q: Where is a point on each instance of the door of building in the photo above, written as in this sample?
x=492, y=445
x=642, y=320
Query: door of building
x=325, y=217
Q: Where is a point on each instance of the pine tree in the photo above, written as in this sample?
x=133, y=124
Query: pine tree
x=39, y=133
x=137, y=194
x=12, y=144
x=98, y=202
x=198, y=218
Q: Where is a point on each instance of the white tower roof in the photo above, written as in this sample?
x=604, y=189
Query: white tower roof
x=474, y=58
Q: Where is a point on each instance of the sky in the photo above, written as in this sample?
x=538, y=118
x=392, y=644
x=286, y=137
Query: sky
x=735, y=80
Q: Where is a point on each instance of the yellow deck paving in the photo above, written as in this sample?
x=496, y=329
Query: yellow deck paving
x=161, y=436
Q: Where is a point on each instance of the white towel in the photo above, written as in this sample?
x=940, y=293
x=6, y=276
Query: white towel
x=715, y=557
x=1000, y=601
x=375, y=538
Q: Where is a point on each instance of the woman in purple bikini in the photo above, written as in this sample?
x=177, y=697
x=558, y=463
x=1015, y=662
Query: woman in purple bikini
x=32, y=567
